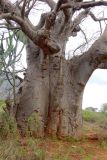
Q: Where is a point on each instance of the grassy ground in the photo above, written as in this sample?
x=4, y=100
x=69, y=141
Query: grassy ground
x=97, y=118
x=52, y=149
x=91, y=144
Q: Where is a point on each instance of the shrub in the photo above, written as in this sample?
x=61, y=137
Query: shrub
x=2, y=105
x=8, y=126
x=90, y=116
x=104, y=109
x=94, y=117
x=33, y=123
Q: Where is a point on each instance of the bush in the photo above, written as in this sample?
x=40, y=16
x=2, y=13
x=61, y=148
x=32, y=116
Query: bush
x=90, y=116
x=2, y=105
x=8, y=126
x=104, y=109
x=7, y=123
x=94, y=117
x=33, y=124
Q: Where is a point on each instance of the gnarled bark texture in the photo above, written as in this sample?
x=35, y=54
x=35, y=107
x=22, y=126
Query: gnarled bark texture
x=51, y=90
x=53, y=87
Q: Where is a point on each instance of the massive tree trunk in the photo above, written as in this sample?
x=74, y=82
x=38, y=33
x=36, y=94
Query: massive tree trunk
x=53, y=87
x=52, y=90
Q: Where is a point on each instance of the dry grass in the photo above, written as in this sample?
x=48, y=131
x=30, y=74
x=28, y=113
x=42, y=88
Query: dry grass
x=91, y=145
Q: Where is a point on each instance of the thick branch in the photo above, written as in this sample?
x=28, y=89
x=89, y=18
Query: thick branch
x=98, y=50
x=83, y=5
x=42, y=37
x=100, y=47
x=51, y=17
x=92, y=59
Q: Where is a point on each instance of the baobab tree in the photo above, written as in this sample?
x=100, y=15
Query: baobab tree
x=53, y=86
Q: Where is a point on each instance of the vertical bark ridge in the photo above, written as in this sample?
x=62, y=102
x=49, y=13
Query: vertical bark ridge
x=54, y=94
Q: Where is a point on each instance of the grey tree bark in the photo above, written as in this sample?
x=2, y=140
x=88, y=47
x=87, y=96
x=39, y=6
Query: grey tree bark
x=50, y=89
x=53, y=86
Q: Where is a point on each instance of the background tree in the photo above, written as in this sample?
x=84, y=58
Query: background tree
x=92, y=109
x=53, y=86
x=104, y=108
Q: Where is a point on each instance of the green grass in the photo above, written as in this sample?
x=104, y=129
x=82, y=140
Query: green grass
x=14, y=149
x=103, y=144
x=60, y=157
x=33, y=124
x=88, y=157
x=2, y=104
x=94, y=117
x=8, y=126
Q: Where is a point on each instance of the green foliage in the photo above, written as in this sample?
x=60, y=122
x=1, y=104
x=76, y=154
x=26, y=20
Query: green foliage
x=103, y=144
x=94, y=117
x=57, y=157
x=16, y=149
x=71, y=139
x=104, y=108
x=8, y=126
x=34, y=145
x=89, y=157
x=13, y=147
x=2, y=105
x=33, y=123
x=5, y=51
x=60, y=157
x=40, y=153
x=72, y=149
x=75, y=149
x=21, y=36
x=99, y=119
x=10, y=54
x=90, y=116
